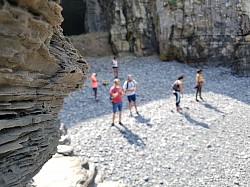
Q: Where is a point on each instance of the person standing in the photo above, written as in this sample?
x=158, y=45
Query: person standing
x=199, y=83
x=94, y=84
x=116, y=93
x=130, y=86
x=115, y=66
x=178, y=92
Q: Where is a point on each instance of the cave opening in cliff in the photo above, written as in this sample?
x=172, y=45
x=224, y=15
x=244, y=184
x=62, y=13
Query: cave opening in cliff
x=74, y=16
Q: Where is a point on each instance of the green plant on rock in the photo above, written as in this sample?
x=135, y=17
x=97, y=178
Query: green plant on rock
x=172, y=3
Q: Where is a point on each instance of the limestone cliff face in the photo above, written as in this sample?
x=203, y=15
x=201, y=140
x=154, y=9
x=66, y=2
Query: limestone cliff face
x=38, y=68
x=204, y=30
x=132, y=28
x=192, y=31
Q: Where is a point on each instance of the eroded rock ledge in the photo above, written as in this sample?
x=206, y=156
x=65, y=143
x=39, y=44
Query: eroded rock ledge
x=39, y=67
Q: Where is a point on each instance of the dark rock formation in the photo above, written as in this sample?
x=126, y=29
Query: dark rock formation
x=84, y=16
x=39, y=67
x=190, y=31
x=74, y=16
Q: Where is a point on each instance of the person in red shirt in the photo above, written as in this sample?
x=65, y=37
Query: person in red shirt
x=94, y=84
x=116, y=93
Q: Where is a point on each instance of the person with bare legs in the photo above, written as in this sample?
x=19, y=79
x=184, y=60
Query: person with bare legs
x=116, y=93
x=130, y=86
x=115, y=66
x=177, y=91
x=199, y=83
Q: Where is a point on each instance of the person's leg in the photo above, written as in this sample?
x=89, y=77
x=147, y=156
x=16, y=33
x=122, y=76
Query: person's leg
x=129, y=104
x=113, y=118
x=113, y=114
x=200, y=92
x=134, y=99
x=178, y=100
x=117, y=72
x=196, y=95
x=95, y=93
x=120, y=112
x=120, y=117
x=114, y=69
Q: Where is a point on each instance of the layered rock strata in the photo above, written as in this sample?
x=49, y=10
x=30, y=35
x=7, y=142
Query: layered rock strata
x=193, y=31
x=39, y=67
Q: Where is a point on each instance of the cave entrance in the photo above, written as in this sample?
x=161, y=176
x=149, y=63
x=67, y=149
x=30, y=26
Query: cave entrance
x=74, y=16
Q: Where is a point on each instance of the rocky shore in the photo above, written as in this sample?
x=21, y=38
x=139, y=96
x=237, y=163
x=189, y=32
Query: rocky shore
x=207, y=144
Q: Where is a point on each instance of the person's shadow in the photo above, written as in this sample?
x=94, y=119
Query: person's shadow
x=131, y=137
x=209, y=106
x=194, y=122
x=140, y=119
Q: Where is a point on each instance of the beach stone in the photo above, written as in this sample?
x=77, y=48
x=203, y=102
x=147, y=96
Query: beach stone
x=65, y=149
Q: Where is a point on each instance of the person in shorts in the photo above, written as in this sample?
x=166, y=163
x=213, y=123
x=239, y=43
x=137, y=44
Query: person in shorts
x=115, y=66
x=177, y=91
x=199, y=83
x=116, y=94
x=130, y=86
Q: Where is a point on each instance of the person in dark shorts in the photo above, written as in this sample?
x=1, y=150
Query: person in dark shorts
x=178, y=92
x=115, y=66
x=130, y=86
x=198, y=84
x=116, y=93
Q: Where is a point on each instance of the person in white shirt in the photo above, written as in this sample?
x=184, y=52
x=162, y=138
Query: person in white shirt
x=130, y=86
x=115, y=67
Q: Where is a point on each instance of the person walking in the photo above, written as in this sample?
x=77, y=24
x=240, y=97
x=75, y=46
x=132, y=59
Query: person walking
x=178, y=92
x=130, y=86
x=198, y=84
x=115, y=66
x=116, y=94
x=94, y=84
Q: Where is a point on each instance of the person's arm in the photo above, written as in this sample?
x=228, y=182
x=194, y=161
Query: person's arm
x=120, y=91
x=180, y=87
x=124, y=86
x=136, y=86
x=112, y=93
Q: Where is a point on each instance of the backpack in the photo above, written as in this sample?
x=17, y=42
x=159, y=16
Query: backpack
x=133, y=83
x=175, y=86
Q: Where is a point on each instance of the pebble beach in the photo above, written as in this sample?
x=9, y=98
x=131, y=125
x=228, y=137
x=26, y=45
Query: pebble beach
x=206, y=144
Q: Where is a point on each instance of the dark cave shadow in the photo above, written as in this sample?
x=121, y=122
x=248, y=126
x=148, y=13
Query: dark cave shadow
x=209, y=106
x=194, y=122
x=131, y=137
x=141, y=119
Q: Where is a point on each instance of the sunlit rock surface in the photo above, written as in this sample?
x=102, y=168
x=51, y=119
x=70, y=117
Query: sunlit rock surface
x=39, y=67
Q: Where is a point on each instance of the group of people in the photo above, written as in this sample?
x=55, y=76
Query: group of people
x=178, y=92
x=130, y=86
x=116, y=92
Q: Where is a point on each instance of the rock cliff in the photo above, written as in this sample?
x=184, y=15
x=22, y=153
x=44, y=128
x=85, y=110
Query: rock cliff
x=39, y=67
x=193, y=31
